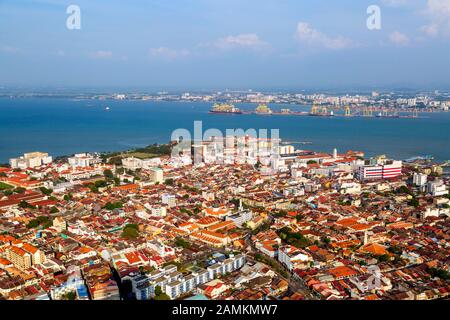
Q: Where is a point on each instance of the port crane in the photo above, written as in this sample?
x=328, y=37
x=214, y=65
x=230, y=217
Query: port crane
x=348, y=112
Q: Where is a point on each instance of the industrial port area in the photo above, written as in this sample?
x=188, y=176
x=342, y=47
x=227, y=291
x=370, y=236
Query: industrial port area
x=322, y=111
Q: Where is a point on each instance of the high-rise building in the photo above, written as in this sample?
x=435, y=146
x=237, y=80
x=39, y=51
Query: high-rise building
x=437, y=188
x=157, y=175
x=420, y=179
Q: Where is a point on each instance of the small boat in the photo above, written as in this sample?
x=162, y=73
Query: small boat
x=107, y=108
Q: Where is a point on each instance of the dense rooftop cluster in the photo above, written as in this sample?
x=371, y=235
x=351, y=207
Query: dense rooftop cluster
x=305, y=226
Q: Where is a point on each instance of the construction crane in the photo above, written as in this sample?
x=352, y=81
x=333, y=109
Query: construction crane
x=367, y=112
x=314, y=110
x=348, y=112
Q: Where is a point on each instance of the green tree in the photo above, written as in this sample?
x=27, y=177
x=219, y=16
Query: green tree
x=158, y=291
x=54, y=210
x=403, y=190
x=383, y=258
x=70, y=295
x=130, y=231
x=68, y=197
x=439, y=273
x=46, y=191
x=414, y=202
x=108, y=174
x=23, y=204
x=100, y=184
x=160, y=295
x=182, y=243
x=19, y=190
x=33, y=224
x=5, y=186
x=169, y=182
x=115, y=161
x=111, y=206
x=395, y=249
x=7, y=192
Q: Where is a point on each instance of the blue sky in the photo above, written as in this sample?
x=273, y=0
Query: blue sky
x=225, y=44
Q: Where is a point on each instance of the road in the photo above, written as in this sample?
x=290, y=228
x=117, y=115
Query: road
x=295, y=285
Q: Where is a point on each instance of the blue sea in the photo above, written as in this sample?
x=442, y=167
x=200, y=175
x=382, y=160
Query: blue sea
x=64, y=126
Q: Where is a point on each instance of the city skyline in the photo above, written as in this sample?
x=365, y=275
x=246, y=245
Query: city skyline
x=199, y=44
x=228, y=150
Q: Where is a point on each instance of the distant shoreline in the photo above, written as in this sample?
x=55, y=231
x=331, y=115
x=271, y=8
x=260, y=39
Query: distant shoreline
x=61, y=127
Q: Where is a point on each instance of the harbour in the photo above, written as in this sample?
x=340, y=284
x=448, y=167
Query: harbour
x=67, y=126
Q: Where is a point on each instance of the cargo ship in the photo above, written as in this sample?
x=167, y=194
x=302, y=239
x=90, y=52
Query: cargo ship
x=263, y=109
x=225, y=108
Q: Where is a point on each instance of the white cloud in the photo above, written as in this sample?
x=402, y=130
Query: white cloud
x=431, y=30
x=245, y=40
x=309, y=35
x=399, y=38
x=439, y=7
x=438, y=12
x=9, y=49
x=394, y=3
x=168, y=53
x=102, y=54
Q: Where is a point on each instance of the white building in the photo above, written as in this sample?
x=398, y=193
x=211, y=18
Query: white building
x=296, y=172
x=420, y=179
x=350, y=188
x=132, y=163
x=159, y=211
x=169, y=199
x=382, y=169
x=83, y=160
x=174, y=284
x=30, y=160
x=157, y=175
x=292, y=256
x=286, y=150
x=437, y=188
x=240, y=218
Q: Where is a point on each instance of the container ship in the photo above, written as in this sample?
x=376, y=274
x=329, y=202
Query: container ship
x=225, y=108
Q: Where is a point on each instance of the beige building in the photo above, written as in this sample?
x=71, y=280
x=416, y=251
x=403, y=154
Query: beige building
x=30, y=160
x=19, y=257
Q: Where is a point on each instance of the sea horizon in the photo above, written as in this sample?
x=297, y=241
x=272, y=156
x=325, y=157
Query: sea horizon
x=66, y=126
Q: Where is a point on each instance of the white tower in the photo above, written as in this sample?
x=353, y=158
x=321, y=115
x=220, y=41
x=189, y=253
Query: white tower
x=366, y=237
x=334, y=153
x=241, y=207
